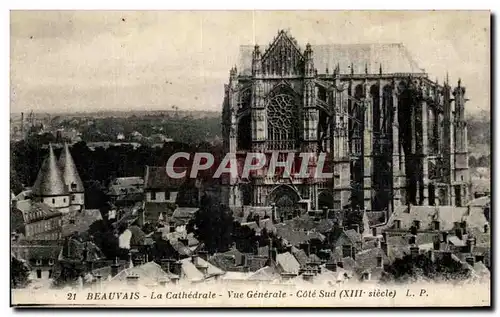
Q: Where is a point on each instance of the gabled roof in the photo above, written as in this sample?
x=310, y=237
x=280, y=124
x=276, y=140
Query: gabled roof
x=157, y=178
x=70, y=173
x=394, y=58
x=288, y=262
x=49, y=181
x=148, y=273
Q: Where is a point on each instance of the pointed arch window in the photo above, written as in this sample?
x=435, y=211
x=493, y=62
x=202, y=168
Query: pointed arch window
x=282, y=129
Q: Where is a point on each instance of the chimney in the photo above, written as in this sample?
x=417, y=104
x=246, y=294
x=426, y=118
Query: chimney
x=273, y=253
x=470, y=260
x=114, y=268
x=331, y=266
x=325, y=212
x=414, y=250
x=166, y=265
x=436, y=244
x=308, y=276
x=444, y=236
x=383, y=246
x=356, y=227
x=203, y=255
x=256, y=249
x=470, y=245
x=273, y=212
x=162, y=282
x=177, y=268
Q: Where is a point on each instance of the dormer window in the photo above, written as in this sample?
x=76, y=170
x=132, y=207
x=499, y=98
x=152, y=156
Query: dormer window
x=73, y=186
x=436, y=225
x=51, y=262
x=416, y=224
x=38, y=262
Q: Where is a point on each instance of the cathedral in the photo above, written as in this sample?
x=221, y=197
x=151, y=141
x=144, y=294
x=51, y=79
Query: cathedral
x=58, y=184
x=391, y=135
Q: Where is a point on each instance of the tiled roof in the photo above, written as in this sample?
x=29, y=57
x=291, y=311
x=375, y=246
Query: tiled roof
x=49, y=181
x=83, y=220
x=29, y=250
x=40, y=211
x=446, y=215
x=70, y=173
x=148, y=273
x=157, y=178
x=288, y=262
x=267, y=273
x=263, y=224
x=484, y=201
x=128, y=181
x=394, y=58
x=152, y=211
x=366, y=261
x=353, y=235
x=184, y=212
x=295, y=238
x=192, y=273
x=300, y=255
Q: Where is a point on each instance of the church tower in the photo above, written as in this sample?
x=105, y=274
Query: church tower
x=49, y=187
x=72, y=180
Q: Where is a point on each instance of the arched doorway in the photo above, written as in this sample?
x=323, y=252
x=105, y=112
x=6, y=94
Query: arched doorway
x=286, y=200
x=325, y=199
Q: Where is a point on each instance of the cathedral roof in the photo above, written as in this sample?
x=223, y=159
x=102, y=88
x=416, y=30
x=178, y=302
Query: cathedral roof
x=49, y=181
x=393, y=57
x=70, y=173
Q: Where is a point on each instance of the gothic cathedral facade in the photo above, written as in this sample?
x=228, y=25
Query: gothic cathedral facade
x=391, y=135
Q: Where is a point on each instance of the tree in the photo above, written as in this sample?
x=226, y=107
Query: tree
x=19, y=274
x=415, y=267
x=212, y=225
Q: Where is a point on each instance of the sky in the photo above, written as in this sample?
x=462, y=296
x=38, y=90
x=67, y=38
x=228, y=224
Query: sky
x=65, y=61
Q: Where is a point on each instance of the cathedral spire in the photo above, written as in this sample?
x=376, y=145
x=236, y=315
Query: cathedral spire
x=49, y=181
x=70, y=173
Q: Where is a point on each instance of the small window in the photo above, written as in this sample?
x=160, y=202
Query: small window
x=73, y=186
x=53, y=201
x=38, y=273
x=416, y=223
x=436, y=225
x=153, y=195
x=379, y=261
x=73, y=197
x=51, y=262
x=38, y=262
x=397, y=224
x=64, y=200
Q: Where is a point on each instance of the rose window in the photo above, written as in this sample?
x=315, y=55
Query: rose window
x=281, y=118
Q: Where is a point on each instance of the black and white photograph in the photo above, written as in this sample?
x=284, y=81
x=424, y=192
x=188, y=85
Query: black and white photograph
x=250, y=159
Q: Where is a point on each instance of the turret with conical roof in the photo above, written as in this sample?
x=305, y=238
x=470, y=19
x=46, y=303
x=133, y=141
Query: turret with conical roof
x=71, y=177
x=49, y=187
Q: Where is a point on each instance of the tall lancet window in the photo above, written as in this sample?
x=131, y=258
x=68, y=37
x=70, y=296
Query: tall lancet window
x=282, y=128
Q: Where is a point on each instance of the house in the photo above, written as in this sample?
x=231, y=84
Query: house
x=126, y=191
x=37, y=222
x=39, y=255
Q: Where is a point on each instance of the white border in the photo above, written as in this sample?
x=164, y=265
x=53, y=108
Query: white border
x=191, y=5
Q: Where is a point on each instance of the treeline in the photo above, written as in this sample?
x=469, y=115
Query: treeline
x=99, y=165
x=181, y=129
